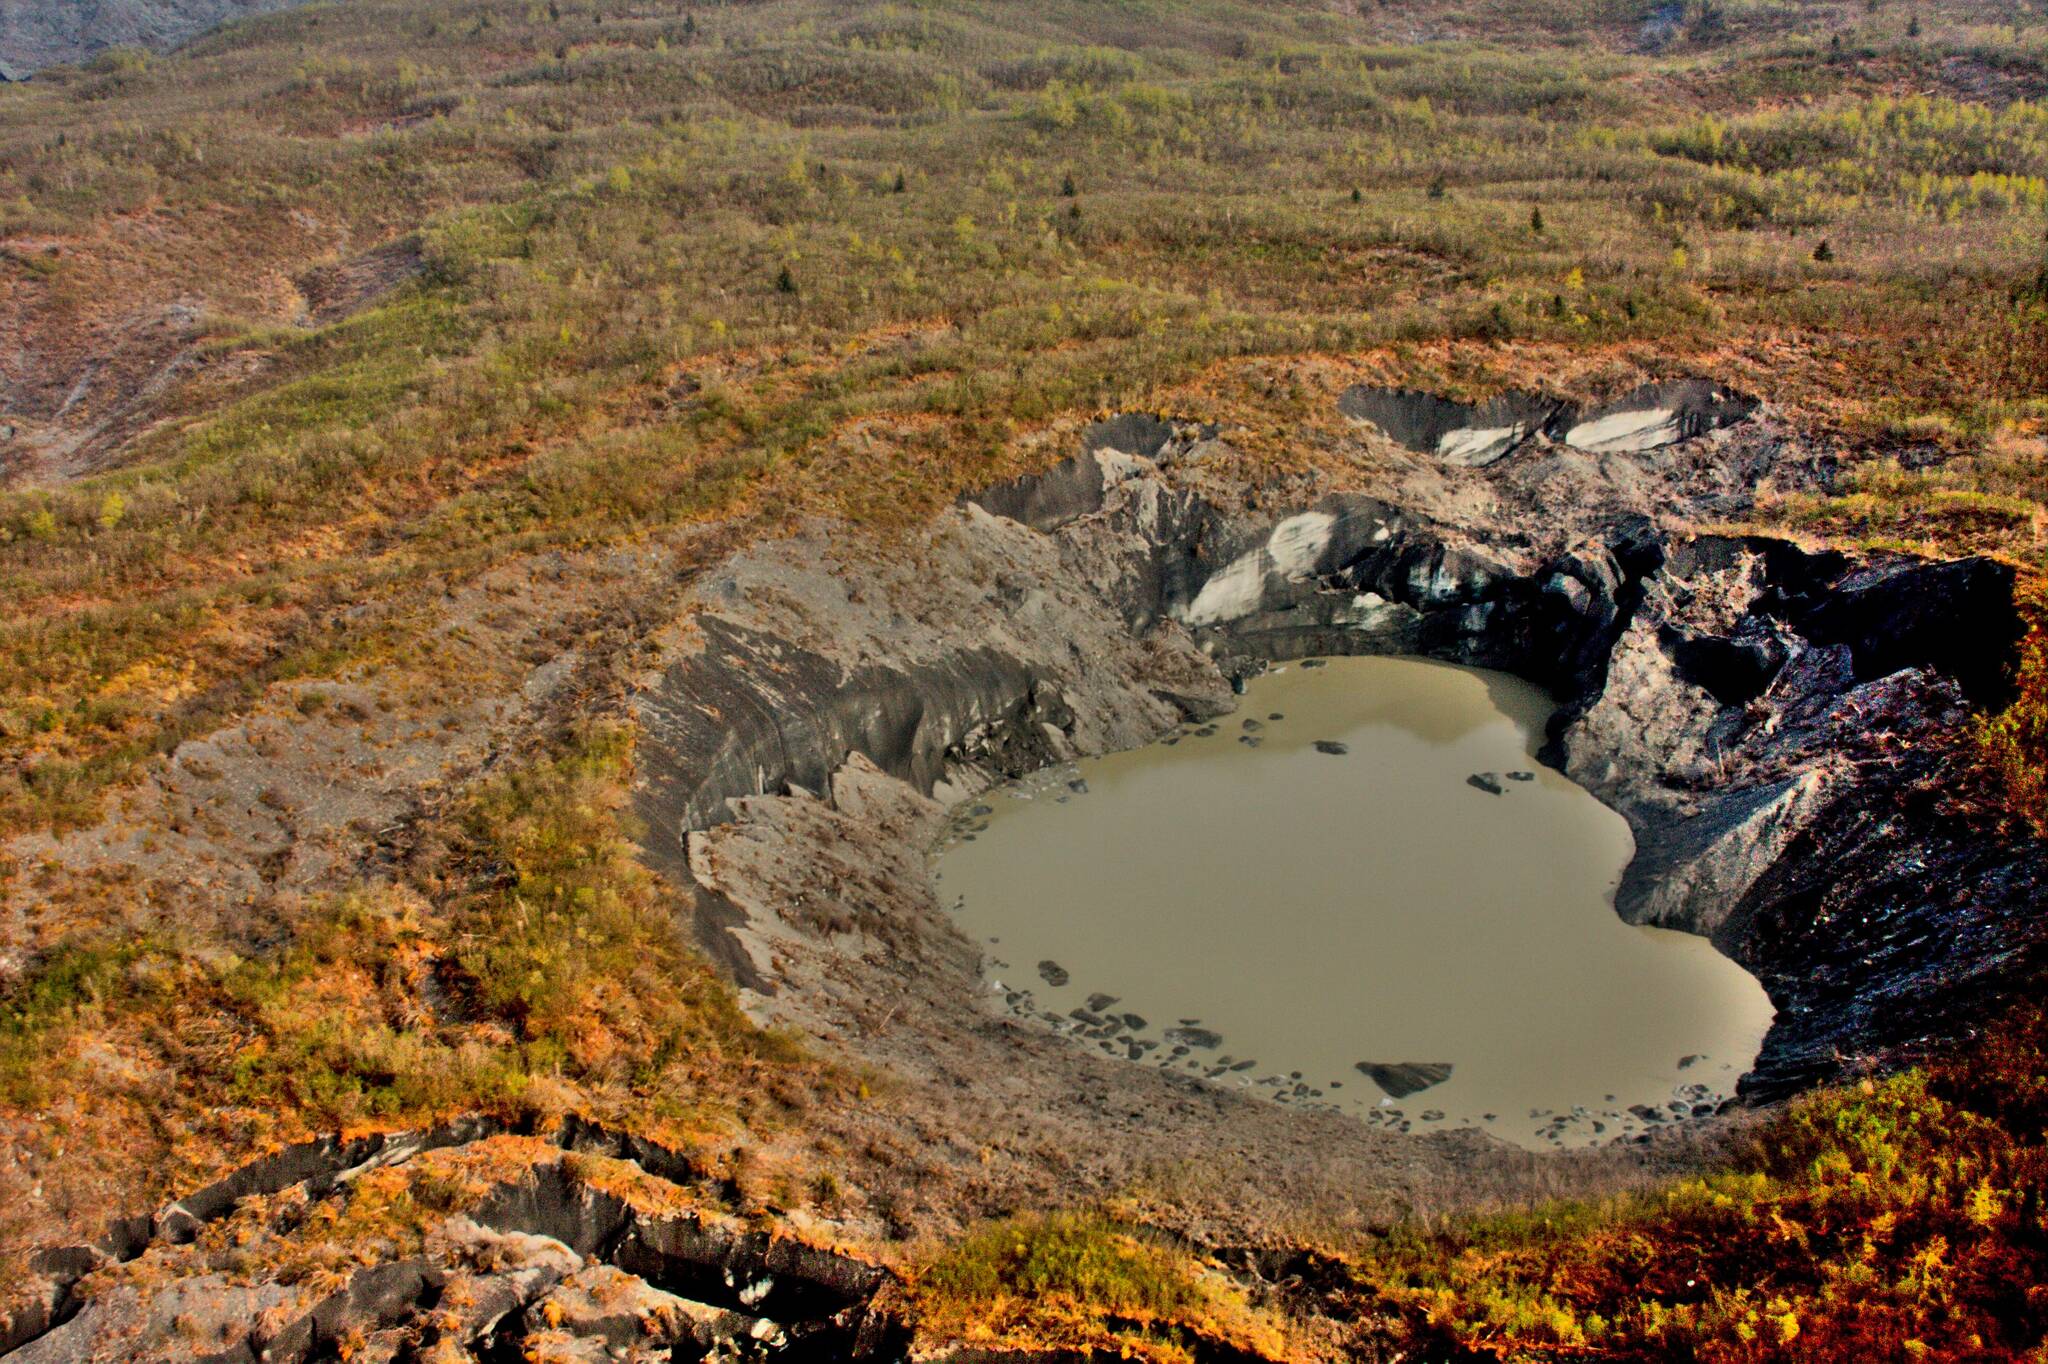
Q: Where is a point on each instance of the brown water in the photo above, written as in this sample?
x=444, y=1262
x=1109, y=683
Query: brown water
x=1317, y=911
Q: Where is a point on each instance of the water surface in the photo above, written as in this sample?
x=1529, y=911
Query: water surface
x=1316, y=910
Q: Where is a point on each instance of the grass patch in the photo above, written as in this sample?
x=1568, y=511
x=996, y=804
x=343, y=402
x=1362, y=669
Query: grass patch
x=1079, y=1281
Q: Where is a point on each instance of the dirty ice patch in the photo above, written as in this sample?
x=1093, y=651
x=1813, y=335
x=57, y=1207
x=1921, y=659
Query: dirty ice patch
x=1369, y=611
x=1477, y=446
x=1232, y=593
x=1292, y=550
x=1298, y=542
x=1626, y=432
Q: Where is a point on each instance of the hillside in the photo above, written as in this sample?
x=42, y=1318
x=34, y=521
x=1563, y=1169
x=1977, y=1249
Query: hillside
x=434, y=434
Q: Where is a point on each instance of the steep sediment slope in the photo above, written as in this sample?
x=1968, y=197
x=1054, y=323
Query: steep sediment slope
x=39, y=33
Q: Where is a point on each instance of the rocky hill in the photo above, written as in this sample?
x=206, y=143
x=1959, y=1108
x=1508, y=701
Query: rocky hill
x=39, y=33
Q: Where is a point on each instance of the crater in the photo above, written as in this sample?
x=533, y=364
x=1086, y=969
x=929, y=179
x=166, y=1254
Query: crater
x=1365, y=863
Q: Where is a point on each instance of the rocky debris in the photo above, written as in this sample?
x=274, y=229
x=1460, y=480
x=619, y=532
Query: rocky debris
x=1053, y=974
x=1401, y=1078
x=1488, y=782
x=1334, y=747
x=1202, y=1039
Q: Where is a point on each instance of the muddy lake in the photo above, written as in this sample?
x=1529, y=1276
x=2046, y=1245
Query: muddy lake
x=1358, y=890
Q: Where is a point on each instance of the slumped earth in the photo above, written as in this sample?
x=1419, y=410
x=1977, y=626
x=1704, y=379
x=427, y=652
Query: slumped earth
x=1280, y=915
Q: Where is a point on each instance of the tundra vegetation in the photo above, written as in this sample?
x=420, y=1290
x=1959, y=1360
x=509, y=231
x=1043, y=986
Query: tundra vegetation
x=458, y=283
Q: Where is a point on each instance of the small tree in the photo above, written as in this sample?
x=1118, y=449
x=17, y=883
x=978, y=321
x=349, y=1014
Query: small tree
x=1536, y=219
x=1437, y=188
x=1823, y=253
x=1067, y=190
x=1357, y=197
x=785, y=282
x=901, y=183
x=1913, y=27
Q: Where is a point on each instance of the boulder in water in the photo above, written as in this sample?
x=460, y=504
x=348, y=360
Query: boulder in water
x=1399, y=1079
